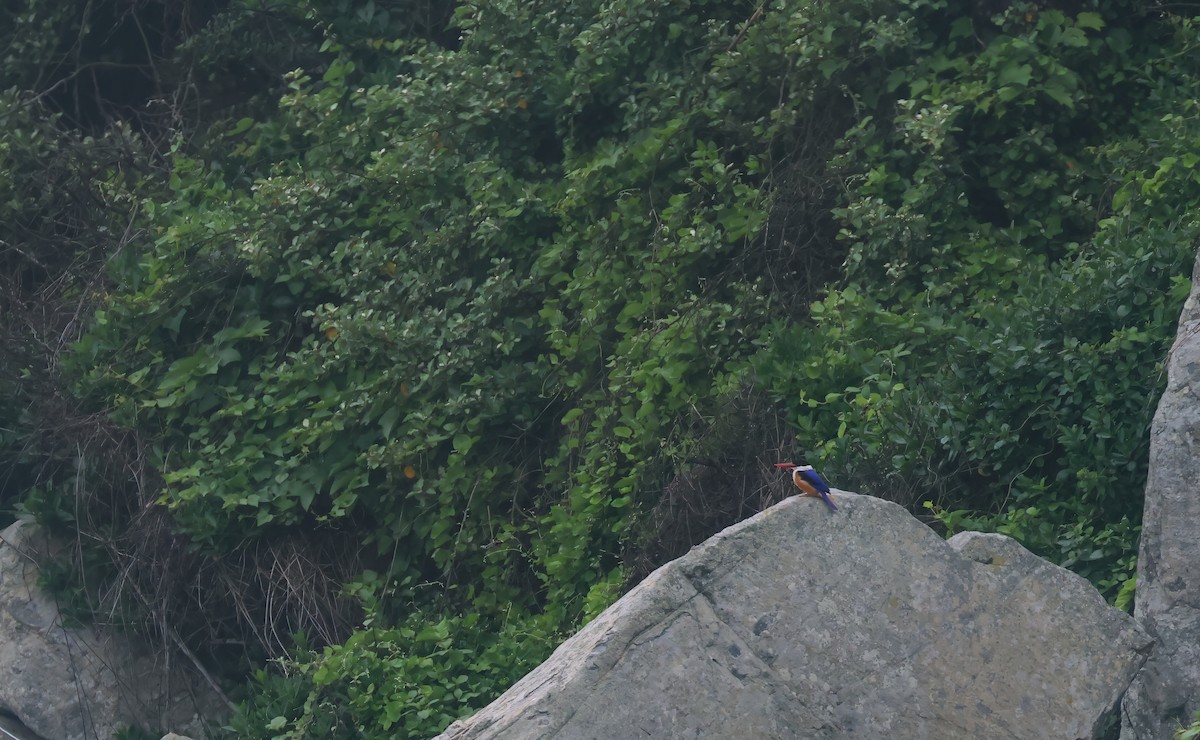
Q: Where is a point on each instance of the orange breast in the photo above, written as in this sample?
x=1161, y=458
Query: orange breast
x=804, y=485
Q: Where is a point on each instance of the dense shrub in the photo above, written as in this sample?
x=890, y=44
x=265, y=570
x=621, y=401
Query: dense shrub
x=1002, y=370
x=390, y=683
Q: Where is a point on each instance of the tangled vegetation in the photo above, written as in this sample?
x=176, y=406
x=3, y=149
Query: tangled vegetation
x=481, y=310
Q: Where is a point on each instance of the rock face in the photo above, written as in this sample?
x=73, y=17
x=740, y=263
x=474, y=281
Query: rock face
x=65, y=683
x=1167, y=692
x=801, y=622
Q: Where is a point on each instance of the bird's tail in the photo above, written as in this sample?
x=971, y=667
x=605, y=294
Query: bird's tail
x=825, y=497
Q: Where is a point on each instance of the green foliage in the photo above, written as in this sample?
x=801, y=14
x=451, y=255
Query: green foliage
x=405, y=307
x=1006, y=369
x=980, y=174
x=406, y=682
x=89, y=96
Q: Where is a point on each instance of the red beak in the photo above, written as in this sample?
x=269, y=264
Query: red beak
x=787, y=465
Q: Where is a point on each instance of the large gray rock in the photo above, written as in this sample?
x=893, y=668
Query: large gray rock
x=67, y=683
x=802, y=623
x=1167, y=692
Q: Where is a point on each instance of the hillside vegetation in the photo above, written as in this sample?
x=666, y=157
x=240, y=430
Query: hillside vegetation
x=370, y=348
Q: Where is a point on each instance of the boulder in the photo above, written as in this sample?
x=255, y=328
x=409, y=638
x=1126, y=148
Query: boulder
x=66, y=682
x=802, y=622
x=1166, y=694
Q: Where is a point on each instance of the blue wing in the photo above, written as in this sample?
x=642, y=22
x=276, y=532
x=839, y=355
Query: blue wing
x=817, y=481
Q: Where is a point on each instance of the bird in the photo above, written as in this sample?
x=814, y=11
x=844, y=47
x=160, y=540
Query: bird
x=808, y=481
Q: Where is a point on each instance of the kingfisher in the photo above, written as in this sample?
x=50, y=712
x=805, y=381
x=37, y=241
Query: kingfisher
x=808, y=481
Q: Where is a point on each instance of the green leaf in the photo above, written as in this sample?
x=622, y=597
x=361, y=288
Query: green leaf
x=1015, y=74
x=1088, y=19
x=388, y=420
x=242, y=126
x=306, y=495
x=463, y=443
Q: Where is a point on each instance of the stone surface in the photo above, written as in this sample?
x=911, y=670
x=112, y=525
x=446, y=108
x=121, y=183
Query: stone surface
x=801, y=622
x=73, y=683
x=1167, y=692
x=12, y=729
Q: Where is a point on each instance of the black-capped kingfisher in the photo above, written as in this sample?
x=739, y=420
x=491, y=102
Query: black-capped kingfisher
x=808, y=481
